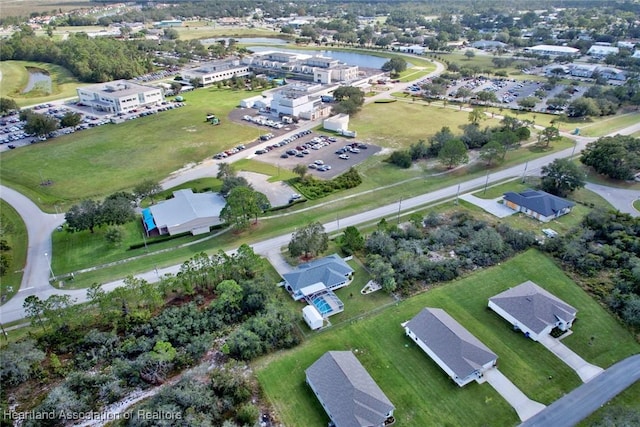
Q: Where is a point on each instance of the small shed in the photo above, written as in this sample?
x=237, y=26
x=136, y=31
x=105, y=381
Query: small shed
x=339, y=122
x=313, y=317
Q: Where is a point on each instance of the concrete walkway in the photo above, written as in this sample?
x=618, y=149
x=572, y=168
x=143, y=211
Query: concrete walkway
x=490, y=205
x=585, y=370
x=525, y=407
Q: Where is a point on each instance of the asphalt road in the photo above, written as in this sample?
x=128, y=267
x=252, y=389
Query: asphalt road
x=570, y=409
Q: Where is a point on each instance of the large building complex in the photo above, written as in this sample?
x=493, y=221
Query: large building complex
x=119, y=96
x=552, y=50
x=216, y=71
x=300, y=100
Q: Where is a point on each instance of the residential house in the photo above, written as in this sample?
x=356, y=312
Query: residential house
x=330, y=273
x=533, y=310
x=538, y=204
x=461, y=355
x=346, y=391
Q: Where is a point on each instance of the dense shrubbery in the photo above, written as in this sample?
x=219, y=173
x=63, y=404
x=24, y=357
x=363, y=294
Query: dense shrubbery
x=409, y=258
x=140, y=350
x=605, y=252
x=313, y=188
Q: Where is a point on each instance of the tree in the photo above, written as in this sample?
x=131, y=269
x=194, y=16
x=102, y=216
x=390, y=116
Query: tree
x=310, y=240
x=583, y=107
x=437, y=141
x=16, y=361
x=225, y=170
x=117, y=209
x=147, y=188
x=476, y=115
x=8, y=104
x=349, y=99
x=84, y=216
x=114, y=235
x=300, y=170
x=381, y=272
x=491, y=151
x=243, y=203
x=561, y=177
x=469, y=54
x=401, y=158
x=40, y=124
x=70, y=119
x=549, y=134
x=528, y=103
x=34, y=308
x=352, y=240
x=395, y=65
x=617, y=157
x=487, y=96
x=231, y=182
x=453, y=153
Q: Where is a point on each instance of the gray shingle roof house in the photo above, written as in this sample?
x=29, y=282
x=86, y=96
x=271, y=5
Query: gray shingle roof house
x=330, y=272
x=538, y=204
x=186, y=212
x=461, y=355
x=347, y=392
x=533, y=310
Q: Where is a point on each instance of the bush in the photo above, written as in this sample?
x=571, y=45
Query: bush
x=400, y=158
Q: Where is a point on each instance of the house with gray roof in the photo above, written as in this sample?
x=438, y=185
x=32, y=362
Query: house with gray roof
x=346, y=391
x=538, y=204
x=330, y=273
x=533, y=310
x=461, y=355
x=186, y=212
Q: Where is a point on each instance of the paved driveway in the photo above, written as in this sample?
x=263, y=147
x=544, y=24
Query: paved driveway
x=490, y=205
x=585, y=370
x=525, y=407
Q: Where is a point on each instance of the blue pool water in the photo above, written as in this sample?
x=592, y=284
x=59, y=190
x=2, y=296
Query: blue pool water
x=322, y=306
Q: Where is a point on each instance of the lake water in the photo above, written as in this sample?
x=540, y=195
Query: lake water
x=38, y=79
x=359, y=59
x=248, y=40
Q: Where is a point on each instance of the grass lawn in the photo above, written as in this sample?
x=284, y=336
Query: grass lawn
x=636, y=204
x=399, y=124
x=26, y=7
x=14, y=232
x=484, y=62
x=99, y=161
x=421, y=392
x=276, y=173
x=15, y=77
x=201, y=30
x=606, y=125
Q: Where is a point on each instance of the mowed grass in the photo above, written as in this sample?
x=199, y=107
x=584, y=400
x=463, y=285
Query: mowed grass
x=15, y=77
x=14, y=231
x=99, y=161
x=200, y=30
x=606, y=125
x=275, y=172
x=26, y=7
x=420, y=391
x=399, y=124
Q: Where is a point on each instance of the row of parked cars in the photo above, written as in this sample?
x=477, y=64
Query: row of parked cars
x=284, y=141
x=230, y=152
x=263, y=121
x=303, y=149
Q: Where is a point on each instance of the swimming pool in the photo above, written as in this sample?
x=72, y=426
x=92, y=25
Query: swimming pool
x=322, y=305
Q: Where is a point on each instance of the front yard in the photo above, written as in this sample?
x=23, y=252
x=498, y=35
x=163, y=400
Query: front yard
x=421, y=392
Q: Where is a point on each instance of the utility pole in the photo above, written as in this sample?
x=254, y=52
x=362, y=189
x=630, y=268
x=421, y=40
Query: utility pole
x=53, y=276
x=457, y=195
x=486, y=183
x=525, y=171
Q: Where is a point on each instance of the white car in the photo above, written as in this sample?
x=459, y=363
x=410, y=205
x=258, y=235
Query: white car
x=344, y=156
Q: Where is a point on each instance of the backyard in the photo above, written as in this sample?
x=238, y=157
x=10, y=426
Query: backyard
x=421, y=392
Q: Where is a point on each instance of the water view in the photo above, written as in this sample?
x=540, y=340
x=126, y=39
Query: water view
x=38, y=79
x=351, y=58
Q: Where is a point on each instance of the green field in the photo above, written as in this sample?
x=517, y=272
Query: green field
x=14, y=231
x=483, y=61
x=99, y=161
x=606, y=125
x=26, y=7
x=15, y=77
x=201, y=30
x=420, y=391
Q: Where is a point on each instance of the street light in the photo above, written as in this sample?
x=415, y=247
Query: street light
x=46, y=255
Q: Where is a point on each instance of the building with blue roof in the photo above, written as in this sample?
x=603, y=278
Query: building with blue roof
x=538, y=204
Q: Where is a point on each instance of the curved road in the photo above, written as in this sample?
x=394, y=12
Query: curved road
x=570, y=409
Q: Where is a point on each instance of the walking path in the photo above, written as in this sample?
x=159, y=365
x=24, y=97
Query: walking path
x=586, y=371
x=525, y=407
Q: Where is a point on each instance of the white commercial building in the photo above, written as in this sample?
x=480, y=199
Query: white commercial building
x=298, y=100
x=212, y=72
x=602, y=51
x=552, y=50
x=119, y=96
x=339, y=122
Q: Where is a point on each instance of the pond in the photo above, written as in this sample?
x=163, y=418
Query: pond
x=38, y=79
x=248, y=40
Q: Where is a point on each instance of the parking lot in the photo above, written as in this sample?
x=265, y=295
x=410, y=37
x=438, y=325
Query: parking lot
x=13, y=135
x=509, y=91
x=324, y=156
